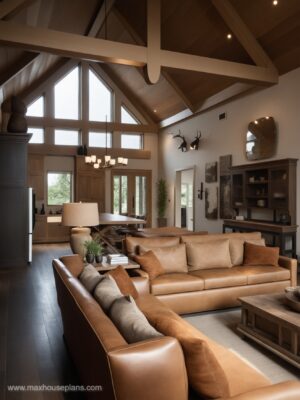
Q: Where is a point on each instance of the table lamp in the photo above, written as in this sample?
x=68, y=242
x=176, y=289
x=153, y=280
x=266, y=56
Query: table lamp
x=80, y=216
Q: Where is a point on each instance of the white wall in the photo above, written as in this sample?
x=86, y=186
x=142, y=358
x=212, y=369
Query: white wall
x=227, y=136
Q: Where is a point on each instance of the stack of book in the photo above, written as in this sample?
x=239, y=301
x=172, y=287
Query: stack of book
x=115, y=259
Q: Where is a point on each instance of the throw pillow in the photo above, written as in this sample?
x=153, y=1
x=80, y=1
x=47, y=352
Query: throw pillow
x=123, y=281
x=172, y=259
x=150, y=264
x=260, y=255
x=205, y=374
x=107, y=292
x=209, y=255
x=236, y=247
x=74, y=264
x=130, y=321
x=90, y=277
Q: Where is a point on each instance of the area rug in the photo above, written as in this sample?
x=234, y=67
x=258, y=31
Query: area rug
x=221, y=326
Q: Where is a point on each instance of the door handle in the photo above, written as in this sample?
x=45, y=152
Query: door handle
x=133, y=203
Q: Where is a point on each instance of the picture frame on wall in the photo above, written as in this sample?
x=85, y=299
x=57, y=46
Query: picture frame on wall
x=211, y=202
x=211, y=172
x=226, y=211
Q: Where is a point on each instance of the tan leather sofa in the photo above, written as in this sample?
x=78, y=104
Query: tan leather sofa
x=217, y=288
x=152, y=369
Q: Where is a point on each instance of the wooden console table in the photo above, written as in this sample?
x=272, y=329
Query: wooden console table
x=282, y=232
x=268, y=321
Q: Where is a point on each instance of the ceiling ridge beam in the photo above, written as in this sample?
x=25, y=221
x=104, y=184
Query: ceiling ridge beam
x=9, y=8
x=138, y=40
x=86, y=48
x=100, y=18
x=243, y=33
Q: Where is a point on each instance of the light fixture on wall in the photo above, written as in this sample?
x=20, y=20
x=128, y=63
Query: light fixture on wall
x=195, y=143
x=108, y=161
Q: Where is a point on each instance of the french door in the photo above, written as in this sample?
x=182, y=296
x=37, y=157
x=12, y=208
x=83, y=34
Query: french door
x=131, y=193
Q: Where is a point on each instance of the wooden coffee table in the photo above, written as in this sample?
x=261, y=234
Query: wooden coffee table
x=270, y=322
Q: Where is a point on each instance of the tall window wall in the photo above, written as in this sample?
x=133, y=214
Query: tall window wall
x=81, y=104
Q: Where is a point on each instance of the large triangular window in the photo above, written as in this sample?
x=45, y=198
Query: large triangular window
x=36, y=109
x=100, y=99
x=127, y=117
x=66, y=96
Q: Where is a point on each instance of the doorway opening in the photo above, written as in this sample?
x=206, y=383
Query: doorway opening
x=185, y=199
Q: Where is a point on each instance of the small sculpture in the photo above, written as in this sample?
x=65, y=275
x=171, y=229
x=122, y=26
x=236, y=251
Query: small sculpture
x=17, y=122
x=195, y=143
x=183, y=144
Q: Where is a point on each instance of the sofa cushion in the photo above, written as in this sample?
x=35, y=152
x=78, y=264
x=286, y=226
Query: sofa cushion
x=216, y=236
x=233, y=366
x=176, y=283
x=123, y=281
x=130, y=321
x=263, y=273
x=90, y=277
x=205, y=374
x=213, y=254
x=260, y=255
x=172, y=259
x=73, y=263
x=221, y=278
x=107, y=292
x=132, y=243
x=236, y=248
x=150, y=264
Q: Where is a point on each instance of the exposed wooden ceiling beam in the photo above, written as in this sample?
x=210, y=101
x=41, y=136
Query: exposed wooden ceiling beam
x=235, y=90
x=138, y=40
x=8, y=8
x=242, y=33
x=81, y=47
x=100, y=18
x=153, y=40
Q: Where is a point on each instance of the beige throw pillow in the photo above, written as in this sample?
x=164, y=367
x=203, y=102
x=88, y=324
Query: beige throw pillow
x=172, y=259
x=213, y=254
x=90, y=277
x=130, y=321
x=106, y=292
x=236, y=247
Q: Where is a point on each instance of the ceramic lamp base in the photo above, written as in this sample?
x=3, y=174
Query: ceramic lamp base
x=78, y=237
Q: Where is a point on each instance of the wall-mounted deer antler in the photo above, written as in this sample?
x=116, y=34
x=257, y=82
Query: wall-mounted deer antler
x=183, y=144
x=195, y=143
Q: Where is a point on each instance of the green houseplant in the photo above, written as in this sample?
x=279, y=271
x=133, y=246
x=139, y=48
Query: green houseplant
x=162, y=199
x=94, y=251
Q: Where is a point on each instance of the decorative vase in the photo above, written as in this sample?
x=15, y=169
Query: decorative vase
x=17, y=122
x=89, y=258
x=98, y=258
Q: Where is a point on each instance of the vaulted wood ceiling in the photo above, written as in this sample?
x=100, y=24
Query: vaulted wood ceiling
x=192, y=27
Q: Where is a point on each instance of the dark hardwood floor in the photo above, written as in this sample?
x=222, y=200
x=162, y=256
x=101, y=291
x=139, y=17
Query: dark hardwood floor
x=32, y=350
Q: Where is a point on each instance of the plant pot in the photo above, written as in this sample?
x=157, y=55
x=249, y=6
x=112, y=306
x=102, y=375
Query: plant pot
x=98, y=259
x=161, y=222
x=89, y=258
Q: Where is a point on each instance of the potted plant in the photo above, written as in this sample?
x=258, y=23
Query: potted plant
x=93, y=250
x=162, y=199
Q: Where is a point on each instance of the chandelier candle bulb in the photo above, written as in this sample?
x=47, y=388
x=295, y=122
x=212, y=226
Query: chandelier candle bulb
x=112, y=161
x=107, y=158
x=125, y=161
x=96, y=166
x=99, y=161
x=120, y=160
x=88, y=159
x=93, y=159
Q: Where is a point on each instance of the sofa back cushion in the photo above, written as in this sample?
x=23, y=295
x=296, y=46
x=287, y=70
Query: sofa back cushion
x=132, y=244
x=73, y=263
x=260, y=255
x=209, y=255
x=172, y=259
x=130, y=321
x=150, y=264
x=123, y=281
x=236, y=248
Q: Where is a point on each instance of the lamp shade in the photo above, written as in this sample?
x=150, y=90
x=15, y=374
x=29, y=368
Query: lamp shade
x=80, y=214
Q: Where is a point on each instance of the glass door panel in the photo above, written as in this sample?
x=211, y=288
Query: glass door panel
x=120, y=194
x=140, y=196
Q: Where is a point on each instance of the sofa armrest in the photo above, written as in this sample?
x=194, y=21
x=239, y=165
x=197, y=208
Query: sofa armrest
x=289, y=390
x=141, y=284
x=154, y=367
x=291, y=264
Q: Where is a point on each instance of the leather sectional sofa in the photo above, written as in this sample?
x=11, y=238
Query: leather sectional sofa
x=194, y=290
x=152, y=369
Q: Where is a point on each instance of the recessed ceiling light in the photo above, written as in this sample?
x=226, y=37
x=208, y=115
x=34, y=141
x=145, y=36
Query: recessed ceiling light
x=256, y=122
x=275, y=2
x=155, y=110
x=229, y=36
